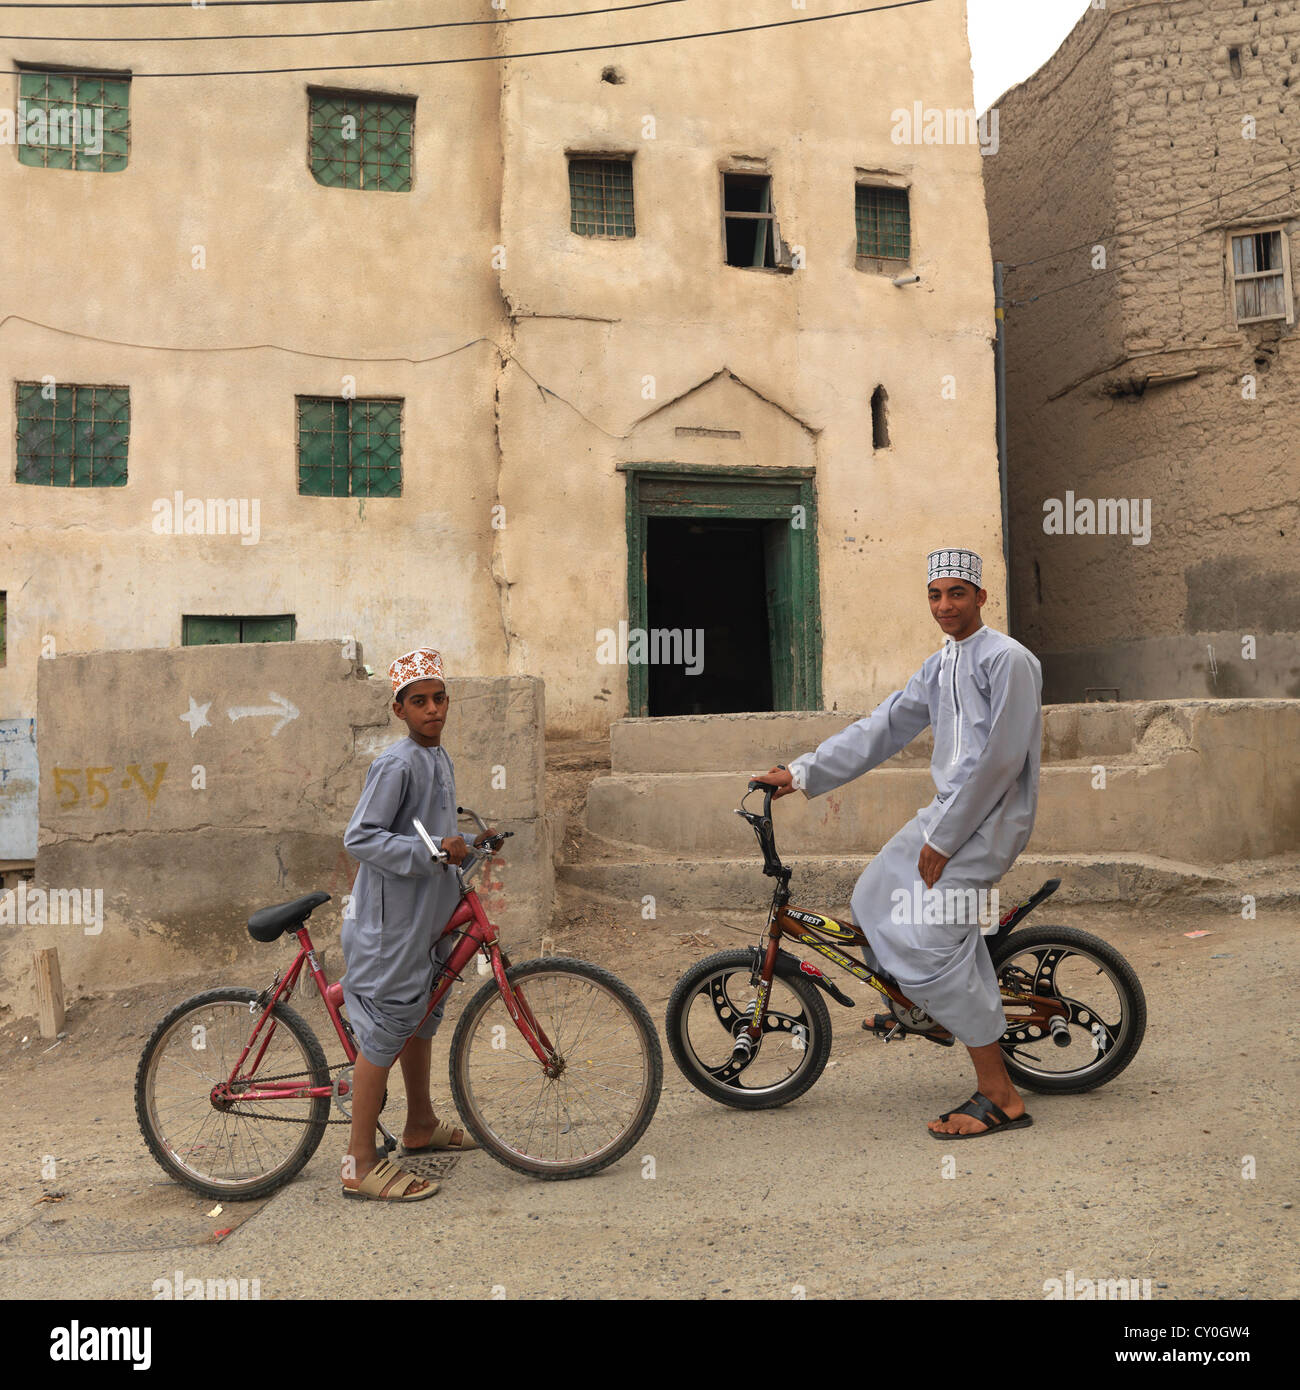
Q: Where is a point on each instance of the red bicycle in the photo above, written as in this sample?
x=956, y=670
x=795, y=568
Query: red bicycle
x=557, y=1083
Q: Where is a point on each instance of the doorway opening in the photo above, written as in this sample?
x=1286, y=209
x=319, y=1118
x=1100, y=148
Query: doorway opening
x=705, y=577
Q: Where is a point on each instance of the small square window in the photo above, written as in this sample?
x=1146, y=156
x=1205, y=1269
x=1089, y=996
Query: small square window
x=73, y=120
x=349, y=448
x=357, y=141
x=600, y=197
x=884, y=224
x=72, y=436
x=1261, y=276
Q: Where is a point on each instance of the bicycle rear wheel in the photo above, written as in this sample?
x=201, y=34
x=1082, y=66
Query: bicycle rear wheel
x=1106, y=1009
x=611, y=1070
x=224, y=1150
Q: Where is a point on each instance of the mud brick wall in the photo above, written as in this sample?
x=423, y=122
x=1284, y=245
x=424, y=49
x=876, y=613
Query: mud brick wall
x=1132, y=138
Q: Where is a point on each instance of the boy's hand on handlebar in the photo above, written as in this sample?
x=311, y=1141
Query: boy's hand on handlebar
x=485, y=837
x=455, y=848
x=779, y=777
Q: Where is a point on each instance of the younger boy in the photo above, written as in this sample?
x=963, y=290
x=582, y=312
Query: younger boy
x=402, y=899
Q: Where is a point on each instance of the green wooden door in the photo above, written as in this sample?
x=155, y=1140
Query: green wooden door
x=778, y=578
x=786, y=499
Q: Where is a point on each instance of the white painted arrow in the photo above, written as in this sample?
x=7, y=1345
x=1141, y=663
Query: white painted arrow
x=281, y=707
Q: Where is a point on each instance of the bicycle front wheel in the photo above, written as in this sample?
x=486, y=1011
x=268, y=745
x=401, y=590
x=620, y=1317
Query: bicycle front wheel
x=220, y=1148
x=610, y=1070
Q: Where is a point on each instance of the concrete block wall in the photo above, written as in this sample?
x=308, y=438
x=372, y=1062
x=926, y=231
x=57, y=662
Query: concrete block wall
x=193, y=785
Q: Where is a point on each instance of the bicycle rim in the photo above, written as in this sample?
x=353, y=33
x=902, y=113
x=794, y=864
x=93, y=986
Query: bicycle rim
x=225, y=1149
x=602, y=1100
x=1100, y=1017
x=720, y=1005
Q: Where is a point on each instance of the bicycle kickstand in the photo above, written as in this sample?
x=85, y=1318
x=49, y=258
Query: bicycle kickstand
x=390, y=1143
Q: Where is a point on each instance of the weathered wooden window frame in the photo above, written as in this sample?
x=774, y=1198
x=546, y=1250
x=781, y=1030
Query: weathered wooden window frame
x=784, y=263
x=1284, y=270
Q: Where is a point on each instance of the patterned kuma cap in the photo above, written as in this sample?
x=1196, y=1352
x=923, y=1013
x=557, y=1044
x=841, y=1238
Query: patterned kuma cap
x=421, y=665
x=954, y=564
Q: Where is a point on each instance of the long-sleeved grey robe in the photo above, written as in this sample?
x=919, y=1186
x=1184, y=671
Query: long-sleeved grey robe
x=982, y=696
x=401, y=899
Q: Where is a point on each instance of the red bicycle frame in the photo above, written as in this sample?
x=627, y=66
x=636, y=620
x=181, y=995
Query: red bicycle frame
x=478, y=934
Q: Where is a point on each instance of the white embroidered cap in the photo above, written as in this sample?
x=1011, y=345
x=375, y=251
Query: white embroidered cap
x=954, y=564
x=421, y=665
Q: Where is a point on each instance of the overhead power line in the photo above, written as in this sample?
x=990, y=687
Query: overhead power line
x=536, y=53
x=1111, y=270
x=334, y=33
x=1164, y=217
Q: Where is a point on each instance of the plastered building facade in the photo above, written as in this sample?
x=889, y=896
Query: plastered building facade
x=582, y=417
x=1142, y=200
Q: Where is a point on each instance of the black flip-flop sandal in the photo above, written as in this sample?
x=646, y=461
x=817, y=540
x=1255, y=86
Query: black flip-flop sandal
x=981, y=1108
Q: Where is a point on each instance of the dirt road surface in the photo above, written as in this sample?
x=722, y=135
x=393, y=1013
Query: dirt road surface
x=840, y=1194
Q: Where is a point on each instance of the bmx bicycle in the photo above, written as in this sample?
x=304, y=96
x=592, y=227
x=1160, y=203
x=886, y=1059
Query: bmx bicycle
x=750, y=1028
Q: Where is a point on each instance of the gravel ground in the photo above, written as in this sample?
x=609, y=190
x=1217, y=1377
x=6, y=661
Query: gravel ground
x=841, y=1194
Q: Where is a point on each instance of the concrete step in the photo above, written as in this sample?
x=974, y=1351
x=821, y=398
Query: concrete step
x=826, y=881
x=725, y=742
x=691, y=812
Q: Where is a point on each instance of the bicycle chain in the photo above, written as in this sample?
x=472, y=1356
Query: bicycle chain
x=289, y=1119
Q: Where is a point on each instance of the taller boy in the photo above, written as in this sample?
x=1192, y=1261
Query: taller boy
x=401, y=900
x=982, y=694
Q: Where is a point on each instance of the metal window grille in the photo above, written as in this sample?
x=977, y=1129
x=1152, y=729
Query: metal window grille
x=71, y=120
x=76, y=439
x=883, y=222
x=1259, y=280
x=349, y=448
x=600, y=196
x=361, y=142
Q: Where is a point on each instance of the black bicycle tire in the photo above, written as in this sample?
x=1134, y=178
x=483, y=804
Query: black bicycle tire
x=313, y=1128
x=799, y=1082
x=1047, y=934
x=458, y=1059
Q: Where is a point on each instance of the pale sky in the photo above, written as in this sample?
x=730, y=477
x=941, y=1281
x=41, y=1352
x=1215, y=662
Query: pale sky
x=1009, y=39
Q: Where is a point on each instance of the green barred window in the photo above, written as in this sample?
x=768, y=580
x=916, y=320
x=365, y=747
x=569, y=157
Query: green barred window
x=884, y=222
x=349, y=448
x=600, y=197
x=73, y=436
x=361, y=142
x=71, y=120
x=197, y=631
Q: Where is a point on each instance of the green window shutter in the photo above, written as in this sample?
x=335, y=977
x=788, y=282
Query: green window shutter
x=206, y=632
x=266, y=629
x=322, y=447
x=349, y=448
x=74, y=121
x=884, y=224
x=600, y=197
x=360, y=142
x=199, y=631
x=77, y=439
x=376, y=449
